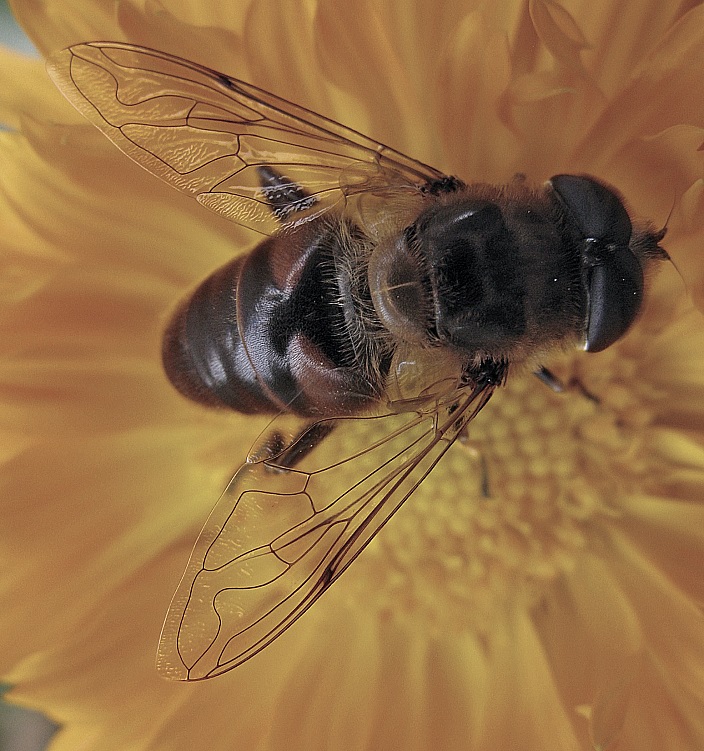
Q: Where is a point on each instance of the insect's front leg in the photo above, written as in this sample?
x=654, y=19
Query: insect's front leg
x=549, y=379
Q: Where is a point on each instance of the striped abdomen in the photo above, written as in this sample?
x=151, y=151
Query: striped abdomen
x=270, y=332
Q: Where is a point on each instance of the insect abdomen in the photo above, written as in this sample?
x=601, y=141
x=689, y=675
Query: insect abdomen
x=266, y=334
x=203, y=353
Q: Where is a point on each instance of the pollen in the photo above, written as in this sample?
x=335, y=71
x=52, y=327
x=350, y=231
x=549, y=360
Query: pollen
x=511, y=506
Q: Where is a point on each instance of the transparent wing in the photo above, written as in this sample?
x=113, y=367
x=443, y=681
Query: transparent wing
x=280, y=536
x=209, y=135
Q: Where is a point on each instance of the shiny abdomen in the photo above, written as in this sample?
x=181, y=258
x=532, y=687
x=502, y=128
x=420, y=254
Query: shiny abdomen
x=267, y=333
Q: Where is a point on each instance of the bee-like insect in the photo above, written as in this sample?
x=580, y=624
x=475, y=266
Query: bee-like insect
x=387, y=291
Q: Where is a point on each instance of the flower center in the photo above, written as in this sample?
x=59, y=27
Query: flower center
x=510, y=506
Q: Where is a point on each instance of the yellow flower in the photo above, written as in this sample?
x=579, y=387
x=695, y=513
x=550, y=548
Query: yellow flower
x=558, y=606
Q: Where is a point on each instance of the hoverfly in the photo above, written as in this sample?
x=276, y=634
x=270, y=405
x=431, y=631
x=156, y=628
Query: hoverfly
x=385, y=291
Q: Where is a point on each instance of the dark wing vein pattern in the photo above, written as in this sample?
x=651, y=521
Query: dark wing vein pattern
x=207, y=134
x=279, y=537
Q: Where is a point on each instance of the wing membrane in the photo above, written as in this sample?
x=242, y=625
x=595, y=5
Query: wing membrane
x=207, y=133
x=279, y=537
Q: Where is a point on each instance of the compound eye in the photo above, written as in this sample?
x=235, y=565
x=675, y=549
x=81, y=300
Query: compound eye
x=614, y=297
x=597, y=211
x=613, y=276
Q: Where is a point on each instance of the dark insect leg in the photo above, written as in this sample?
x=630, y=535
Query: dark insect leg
x=474, y=450
x=443, y=185
x=483, y=378
x=555, y=384
x=288, y=457
x=550, y=380
x=486, y=489
x=284, y=196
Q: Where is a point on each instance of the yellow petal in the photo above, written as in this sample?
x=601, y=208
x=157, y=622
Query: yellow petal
x=662, y=93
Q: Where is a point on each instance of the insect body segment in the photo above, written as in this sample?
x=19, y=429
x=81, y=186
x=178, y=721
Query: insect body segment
x=389, y=302
x=281, y=342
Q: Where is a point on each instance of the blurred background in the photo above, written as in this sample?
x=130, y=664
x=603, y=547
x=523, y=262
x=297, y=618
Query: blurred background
x=20, y=730
x=10, y=32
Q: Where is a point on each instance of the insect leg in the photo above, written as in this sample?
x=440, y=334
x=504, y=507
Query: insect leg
x=548, y=378
x=284, y=196
x=556, y=384
x=474, y=450
x=287, y=457
x=442, y=185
